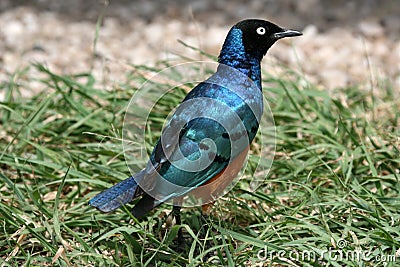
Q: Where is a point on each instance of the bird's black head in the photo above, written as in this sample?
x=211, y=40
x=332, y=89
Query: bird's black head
x=251, y=39
x=259, y=35
x=246, y=44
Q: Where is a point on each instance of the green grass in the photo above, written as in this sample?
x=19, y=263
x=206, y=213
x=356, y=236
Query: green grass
x=335, y=178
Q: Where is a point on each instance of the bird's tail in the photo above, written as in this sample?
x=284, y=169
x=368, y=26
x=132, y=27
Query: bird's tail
x=117, y=195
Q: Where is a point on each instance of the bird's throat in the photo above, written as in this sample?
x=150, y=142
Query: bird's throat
x=249, y=67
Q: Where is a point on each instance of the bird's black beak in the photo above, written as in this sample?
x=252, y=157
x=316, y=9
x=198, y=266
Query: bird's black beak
x=286, y=33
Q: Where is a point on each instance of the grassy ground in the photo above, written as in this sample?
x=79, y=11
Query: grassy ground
x=332, y=193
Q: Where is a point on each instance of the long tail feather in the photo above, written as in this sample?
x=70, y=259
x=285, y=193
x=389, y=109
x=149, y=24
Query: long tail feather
x=117, y=195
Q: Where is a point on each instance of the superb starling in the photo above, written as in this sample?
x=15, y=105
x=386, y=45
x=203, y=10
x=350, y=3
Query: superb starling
x=213, y=127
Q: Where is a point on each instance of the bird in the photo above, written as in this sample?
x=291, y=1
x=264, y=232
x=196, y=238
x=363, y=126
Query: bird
x=204, y=144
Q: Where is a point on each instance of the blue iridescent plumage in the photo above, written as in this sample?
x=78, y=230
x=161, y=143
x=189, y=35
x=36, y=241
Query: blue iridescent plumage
x=215, y=123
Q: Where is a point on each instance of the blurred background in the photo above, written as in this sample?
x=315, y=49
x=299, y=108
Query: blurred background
x=344, y=43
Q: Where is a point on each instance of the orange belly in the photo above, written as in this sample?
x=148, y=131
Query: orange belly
x=215, y=187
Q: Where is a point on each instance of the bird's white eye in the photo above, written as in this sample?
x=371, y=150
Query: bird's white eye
x=261, y=30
